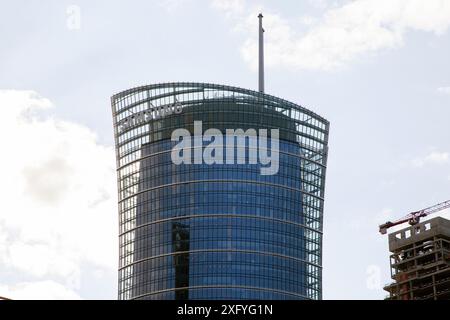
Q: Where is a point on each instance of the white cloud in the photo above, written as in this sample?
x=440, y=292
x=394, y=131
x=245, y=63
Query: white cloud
x=232, y=8
x=58, y=196
x=443, y=90
x=432, y=158
x=41, y=290
x=341, y=35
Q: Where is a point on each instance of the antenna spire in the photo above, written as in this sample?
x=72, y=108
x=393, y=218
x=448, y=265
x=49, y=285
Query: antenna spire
x=261, y=54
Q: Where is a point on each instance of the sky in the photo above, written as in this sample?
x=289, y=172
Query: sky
x=378, y=70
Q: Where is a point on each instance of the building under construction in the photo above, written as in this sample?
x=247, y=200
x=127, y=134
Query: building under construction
x=420, y=261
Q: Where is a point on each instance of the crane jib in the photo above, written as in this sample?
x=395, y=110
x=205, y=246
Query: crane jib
x=414, y=217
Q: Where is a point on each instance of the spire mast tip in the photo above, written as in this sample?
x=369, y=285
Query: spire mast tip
x=261, y=55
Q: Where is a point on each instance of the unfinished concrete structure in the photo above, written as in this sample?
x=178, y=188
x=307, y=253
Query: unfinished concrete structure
x=420, y=261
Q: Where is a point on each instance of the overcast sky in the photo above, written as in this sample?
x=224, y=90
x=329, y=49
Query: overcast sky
x=378, y=70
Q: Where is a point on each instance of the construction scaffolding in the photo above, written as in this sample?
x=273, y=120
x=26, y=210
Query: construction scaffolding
x=420, y=261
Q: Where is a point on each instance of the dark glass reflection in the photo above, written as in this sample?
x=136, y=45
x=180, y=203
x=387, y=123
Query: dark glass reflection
x=180, y=243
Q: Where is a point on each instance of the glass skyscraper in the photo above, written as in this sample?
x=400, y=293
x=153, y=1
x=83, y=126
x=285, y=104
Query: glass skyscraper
x=217, y=231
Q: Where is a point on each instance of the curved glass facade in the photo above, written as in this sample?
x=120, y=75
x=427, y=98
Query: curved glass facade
x=220, y=231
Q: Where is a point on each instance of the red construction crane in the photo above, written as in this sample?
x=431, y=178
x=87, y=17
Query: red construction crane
x=414, y=217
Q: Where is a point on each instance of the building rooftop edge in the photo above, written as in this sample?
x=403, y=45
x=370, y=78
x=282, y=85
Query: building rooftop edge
x=437, y=226
x=214, y=85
